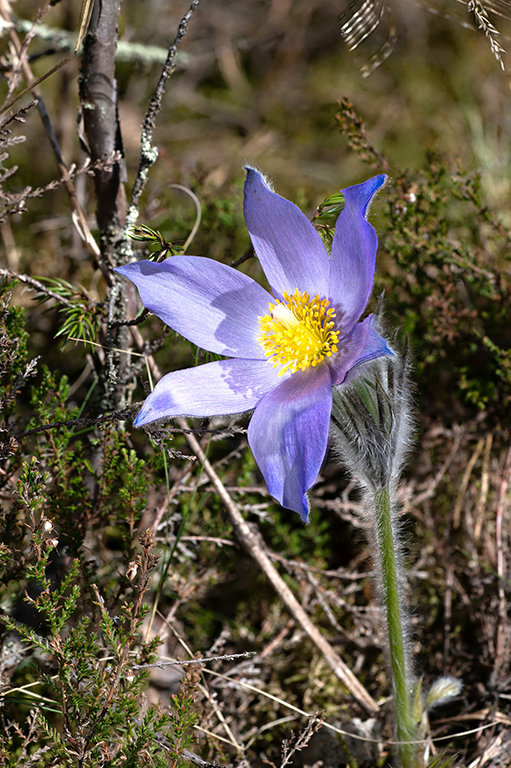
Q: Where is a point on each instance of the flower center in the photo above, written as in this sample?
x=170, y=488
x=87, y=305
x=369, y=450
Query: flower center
x=298, y=332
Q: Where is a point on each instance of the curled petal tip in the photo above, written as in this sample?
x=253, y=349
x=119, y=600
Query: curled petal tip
x=360, y=195
x=304, y=512
x=301, y=507
x=143, y=416
x=353, y=253
x=251, y=171
x=255, y=177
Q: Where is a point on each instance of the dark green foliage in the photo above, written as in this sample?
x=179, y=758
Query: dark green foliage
x=442, y=255
x=222, y=235
x=145, y=234
x=450, y=262
x=81, y=318
x=122, y=487
x=13, y=337
x=317, y=536
x=183, y=718
x=61, y=455
x=15, y=368
x=94, y=681
x=443, y=761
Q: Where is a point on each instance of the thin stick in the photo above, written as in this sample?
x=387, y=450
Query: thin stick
x=502, y=620
x=198, y=210
x=485, y=487
x=33, y=283
x=79, y=218
x=200, y=660
x=148, y=153
x=460, y=501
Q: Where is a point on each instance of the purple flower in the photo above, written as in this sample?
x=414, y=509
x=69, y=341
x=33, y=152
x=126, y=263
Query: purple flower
x=285, y=350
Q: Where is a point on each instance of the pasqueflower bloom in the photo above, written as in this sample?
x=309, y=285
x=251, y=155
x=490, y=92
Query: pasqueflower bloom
x=286, y=349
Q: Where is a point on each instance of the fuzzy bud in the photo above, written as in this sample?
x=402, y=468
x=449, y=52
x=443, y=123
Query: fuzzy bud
x=371, y=421
x=444, y=688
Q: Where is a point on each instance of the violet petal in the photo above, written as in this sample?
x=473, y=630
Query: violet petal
x=362, y=344
x=353, y=254
x=287, y=245
x=288, y=435
x=221, y=387
x=214, y=306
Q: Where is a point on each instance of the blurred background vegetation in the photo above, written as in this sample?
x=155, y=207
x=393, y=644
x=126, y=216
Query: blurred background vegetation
x=269, y=83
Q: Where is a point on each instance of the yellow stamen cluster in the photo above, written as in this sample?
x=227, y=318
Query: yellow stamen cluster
x=297, y=334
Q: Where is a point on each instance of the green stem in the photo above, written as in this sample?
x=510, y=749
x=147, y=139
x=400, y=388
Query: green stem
x=408, y=753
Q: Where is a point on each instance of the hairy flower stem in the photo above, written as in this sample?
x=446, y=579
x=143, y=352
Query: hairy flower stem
x=388, y=561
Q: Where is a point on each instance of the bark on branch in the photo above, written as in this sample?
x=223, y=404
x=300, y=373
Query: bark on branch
x=98, y=97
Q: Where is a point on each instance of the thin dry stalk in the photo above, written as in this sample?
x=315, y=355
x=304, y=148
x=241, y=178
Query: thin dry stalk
x=460, y=500
x=478, y=9
x=503, y=627
x=79, y=217
x=485, y=487
x=148, y=153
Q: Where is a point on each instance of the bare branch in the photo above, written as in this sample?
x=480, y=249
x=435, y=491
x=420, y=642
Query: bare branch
x=98, y=96
x=148, y=153
x=37, y=285
x=204, y=660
